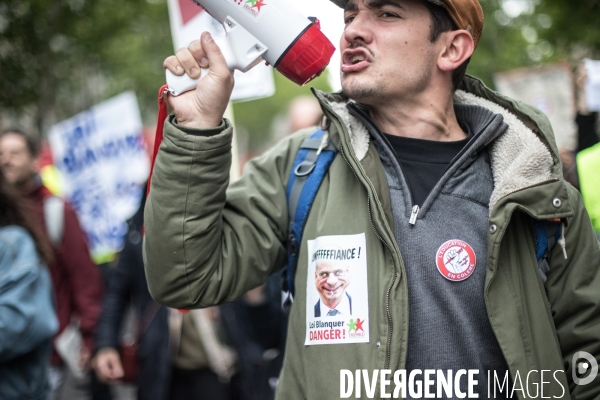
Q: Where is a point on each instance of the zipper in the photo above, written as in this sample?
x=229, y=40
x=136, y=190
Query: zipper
x=389, y=290
x=395, y=267
x=444, y=178
x=367, y=121
x=413, y=215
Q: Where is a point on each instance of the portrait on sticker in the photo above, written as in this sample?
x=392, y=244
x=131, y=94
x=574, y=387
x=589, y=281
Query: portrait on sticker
x=336, y=290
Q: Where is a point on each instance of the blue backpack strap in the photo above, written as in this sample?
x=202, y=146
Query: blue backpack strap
x=310, y=166
x=547, y=234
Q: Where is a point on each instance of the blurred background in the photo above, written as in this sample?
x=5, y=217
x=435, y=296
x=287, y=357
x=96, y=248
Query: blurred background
x=62, y=57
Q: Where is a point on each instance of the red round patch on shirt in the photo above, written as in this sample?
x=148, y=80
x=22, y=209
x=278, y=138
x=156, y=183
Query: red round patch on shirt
x=455, y=260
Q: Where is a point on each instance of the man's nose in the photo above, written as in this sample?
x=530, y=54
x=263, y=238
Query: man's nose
x=358, y=30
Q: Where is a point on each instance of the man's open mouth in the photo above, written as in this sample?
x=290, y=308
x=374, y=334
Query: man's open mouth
x=354, y=56
x=357, y=58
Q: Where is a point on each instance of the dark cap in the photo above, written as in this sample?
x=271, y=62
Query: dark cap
x=466, y=14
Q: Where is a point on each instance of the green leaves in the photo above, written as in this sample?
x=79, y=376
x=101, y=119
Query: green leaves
x=60, y=57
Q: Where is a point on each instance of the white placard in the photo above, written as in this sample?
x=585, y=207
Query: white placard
x=592, y=85
x=104, y=164
x=550, y=89
x=337, y=297
x=188, y=21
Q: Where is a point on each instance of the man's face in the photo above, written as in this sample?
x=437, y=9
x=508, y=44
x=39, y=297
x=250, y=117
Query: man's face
x=17, y=163
x=386, y=50
x=331, y=280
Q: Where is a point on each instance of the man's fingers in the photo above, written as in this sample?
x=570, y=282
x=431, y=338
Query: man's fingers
x=188, y=62
x=198, y=53
x=217, y=62
x=172, y=64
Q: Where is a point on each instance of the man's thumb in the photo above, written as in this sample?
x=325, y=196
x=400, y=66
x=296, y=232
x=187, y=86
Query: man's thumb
x=216, y=60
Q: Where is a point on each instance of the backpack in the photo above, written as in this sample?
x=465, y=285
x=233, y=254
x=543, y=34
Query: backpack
x=310, y=166
x=547, y=234
x=314, y=157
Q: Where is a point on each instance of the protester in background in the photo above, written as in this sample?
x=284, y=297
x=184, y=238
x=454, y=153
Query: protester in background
x=77, y=282
x=127, y=283
x=588, y=157
x=201, y=354
x=27, y=317
x=588, y=128
x=304, y=111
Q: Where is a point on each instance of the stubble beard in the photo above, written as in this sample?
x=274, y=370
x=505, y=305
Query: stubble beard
x=380, y=91
x=363, y=92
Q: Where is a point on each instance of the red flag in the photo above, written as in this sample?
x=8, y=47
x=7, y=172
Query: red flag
x=188, y=10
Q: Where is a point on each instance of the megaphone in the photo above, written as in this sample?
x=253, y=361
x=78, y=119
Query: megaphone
x=269, y=30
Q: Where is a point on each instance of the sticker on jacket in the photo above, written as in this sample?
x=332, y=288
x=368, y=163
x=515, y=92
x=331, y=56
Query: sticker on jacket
x=456, y=260
x=337, y=301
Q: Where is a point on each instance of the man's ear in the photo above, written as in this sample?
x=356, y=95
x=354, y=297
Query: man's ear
x=458, y=48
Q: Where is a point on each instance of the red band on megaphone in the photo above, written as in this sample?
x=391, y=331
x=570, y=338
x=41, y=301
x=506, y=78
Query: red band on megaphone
x=307, y=57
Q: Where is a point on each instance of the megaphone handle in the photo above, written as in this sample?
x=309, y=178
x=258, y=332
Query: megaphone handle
x=177, y=85
x=241, y=50
x=181, y=84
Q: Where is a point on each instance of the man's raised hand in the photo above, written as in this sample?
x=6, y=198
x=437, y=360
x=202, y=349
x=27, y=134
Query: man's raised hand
x=203, y=107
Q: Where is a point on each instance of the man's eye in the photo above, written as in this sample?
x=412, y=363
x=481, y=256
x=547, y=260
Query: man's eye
x=349, y=19
x=387, y=14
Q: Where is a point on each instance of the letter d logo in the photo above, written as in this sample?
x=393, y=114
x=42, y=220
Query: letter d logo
x=581, y=367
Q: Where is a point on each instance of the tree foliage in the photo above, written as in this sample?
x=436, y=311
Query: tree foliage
x=60, y=57
x=574, y=24
x=543, y=31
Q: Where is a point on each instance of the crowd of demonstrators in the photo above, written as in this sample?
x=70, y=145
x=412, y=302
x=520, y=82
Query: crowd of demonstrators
x=77, y=283
x=227, y=352
x=27, y=317
x=441, y=189
x=233, y=351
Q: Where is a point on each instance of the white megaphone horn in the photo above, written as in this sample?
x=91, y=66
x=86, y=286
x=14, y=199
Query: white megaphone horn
x=269, y=30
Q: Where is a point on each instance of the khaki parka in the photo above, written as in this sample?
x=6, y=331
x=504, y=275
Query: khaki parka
x=208, y=241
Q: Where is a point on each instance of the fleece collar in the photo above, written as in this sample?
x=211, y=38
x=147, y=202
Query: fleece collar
x=519, y=159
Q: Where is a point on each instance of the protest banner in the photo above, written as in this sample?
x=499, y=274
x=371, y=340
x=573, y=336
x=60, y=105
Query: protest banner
x=550, y=89
x=101, y=156
x=592, y=84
